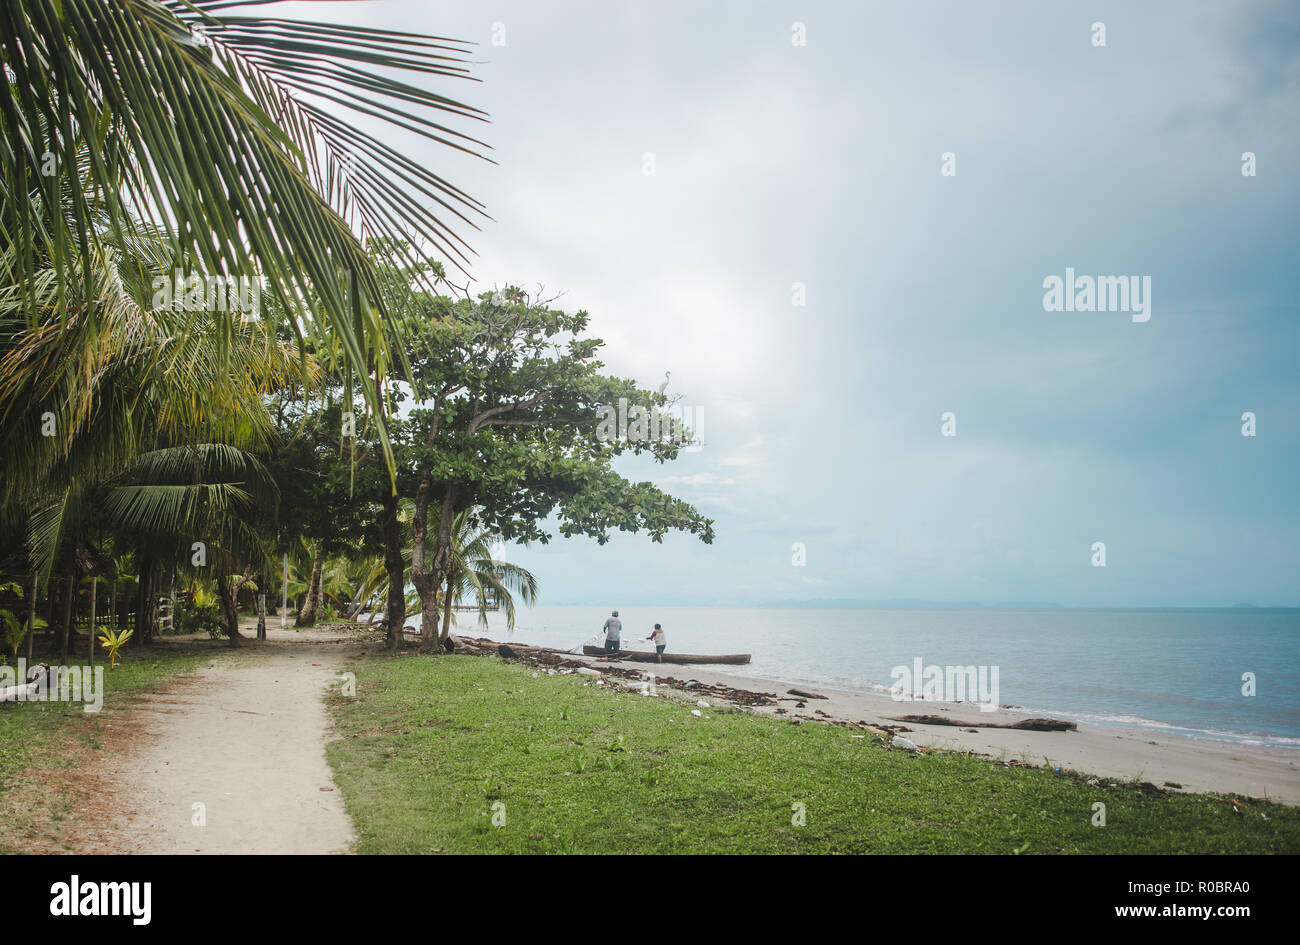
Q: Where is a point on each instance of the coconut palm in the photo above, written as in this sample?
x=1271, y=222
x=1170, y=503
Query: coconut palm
x=126, y=385
x=475, y=573
x=236, y=134
x=131, y=419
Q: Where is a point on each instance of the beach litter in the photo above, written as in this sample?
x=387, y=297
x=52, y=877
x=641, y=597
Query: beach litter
x=702, y=704
x=1028, y=725
x=805, y=695
x=697, y=713
x=901, y=742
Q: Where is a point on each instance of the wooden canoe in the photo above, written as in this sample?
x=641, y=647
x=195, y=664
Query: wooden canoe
x=637, y=656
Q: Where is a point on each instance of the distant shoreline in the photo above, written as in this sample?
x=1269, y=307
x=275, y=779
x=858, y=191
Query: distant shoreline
x=1099, y=721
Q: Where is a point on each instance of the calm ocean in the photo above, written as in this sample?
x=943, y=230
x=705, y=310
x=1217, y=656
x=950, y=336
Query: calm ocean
x=1176, y=670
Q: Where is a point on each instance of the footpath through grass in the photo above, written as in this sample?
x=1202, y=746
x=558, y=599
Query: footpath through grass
x=40, y=738
x=462, y=754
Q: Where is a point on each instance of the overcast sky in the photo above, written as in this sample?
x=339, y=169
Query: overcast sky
x=820, y=164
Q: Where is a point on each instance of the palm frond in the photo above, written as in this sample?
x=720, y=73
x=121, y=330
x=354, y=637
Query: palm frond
x=238, y=136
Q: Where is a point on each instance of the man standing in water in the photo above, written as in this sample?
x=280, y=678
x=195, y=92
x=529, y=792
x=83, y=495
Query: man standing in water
x=613, y=627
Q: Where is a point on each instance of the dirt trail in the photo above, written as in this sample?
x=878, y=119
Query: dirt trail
x=244, y=737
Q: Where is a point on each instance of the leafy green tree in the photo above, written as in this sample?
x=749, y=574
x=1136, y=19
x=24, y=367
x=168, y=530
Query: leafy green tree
x=337, y=492
x=508, y=403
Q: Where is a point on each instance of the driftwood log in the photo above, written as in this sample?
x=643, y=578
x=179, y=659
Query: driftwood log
x=1028, y=725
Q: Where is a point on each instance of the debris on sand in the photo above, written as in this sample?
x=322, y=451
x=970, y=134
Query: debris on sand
x=1028, y=725
x=805, y=695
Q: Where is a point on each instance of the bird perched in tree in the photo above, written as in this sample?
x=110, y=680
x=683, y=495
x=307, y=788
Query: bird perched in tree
x=664, y=385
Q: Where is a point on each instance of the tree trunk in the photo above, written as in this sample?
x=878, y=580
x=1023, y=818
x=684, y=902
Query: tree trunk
x=144, y=599
x=70, y=592
x=31, y=617
x=442, y=556
x=51, y=602
x=424, y=582
x=307, y=616
x=229, y=612
x=429, y=581
x=395, y=613
x=446, y=611
x=94, y=587
x=226, y=591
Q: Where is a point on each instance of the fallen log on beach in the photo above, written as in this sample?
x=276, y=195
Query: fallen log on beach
x=1044, y=725
x=1028, y=725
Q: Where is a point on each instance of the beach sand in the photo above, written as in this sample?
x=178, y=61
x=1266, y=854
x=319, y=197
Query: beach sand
x=1196, y=765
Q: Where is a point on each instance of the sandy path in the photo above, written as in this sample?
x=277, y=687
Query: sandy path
x=245, y=737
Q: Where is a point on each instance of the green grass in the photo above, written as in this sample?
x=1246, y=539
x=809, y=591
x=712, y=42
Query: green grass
x=40, y=737
x=428, y=746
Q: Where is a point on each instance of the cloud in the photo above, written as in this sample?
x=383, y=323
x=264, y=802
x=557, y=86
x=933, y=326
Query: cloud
x=697, y=479
x=777, y=164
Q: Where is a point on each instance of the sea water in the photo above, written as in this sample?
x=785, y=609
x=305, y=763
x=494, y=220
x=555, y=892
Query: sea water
x=1180, y=671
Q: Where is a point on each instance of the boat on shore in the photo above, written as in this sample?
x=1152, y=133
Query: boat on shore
x=638, y=656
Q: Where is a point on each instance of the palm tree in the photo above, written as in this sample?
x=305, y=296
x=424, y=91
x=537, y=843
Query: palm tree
x=236, y=134
x=132, y=420
x=475, y=572
x=310, y=550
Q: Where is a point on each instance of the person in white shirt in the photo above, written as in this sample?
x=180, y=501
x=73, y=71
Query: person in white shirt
x=661, y=641
x=613, y=628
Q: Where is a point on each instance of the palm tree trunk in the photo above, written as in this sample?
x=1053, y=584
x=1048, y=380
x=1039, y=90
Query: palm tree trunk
x=426, y=585
x=227, y=593
x=94, y=587
x=442, y=555
x=307, y=616
x=31, y=616
x=395, y=613
x=70, y=592
x=144, y=599
x=446, y=611
x=226, y=603
x=51, y=625
x=229, y=612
